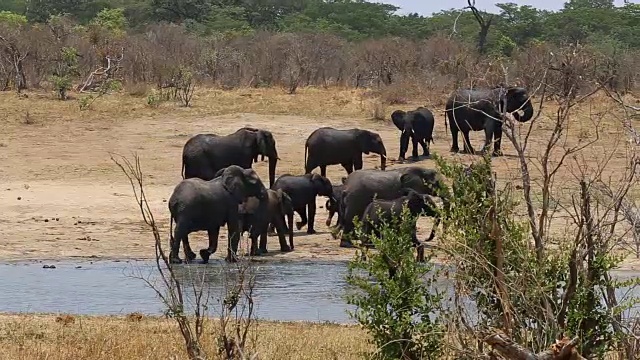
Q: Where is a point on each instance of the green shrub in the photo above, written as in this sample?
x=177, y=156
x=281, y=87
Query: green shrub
x=392, y=295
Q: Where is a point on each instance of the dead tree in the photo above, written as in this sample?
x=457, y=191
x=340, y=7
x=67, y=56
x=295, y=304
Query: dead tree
x=103, y=74
x=15, y=57
x=485, y=24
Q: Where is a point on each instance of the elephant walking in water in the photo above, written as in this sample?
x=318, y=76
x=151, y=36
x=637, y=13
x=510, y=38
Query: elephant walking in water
x=258, y=214
x=197, y=205
x=329, y=146
x=481, y=109
x=204, y=154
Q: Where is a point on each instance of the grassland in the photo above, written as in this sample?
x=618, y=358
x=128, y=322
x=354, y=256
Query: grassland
x=51, y=337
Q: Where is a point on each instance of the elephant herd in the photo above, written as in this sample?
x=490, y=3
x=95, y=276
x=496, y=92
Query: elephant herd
x=219, y=186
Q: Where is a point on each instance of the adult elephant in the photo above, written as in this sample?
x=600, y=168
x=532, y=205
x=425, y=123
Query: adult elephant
x=416, y=125
x=204, y=154
x=362, y=186
x=257, y=214
x=329, y=146
x=482, y=109
x=197, y=205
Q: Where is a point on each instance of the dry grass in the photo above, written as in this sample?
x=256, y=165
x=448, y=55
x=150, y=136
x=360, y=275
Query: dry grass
x=34, y=337
x=311, y=102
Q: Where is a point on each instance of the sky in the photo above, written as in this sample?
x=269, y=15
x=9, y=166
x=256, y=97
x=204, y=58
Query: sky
x=427, y=7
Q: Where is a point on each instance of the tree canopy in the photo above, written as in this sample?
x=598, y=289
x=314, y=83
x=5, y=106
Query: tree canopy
x=593, y=21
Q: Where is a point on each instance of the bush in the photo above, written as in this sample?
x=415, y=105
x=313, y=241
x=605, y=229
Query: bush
x=392, y=295
x=65, y=68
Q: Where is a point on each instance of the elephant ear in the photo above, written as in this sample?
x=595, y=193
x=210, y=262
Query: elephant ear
x=398, y=119
x=364, y=140
x=261, y=141
x=233, y=182
x=219, y=173
x=411, y=181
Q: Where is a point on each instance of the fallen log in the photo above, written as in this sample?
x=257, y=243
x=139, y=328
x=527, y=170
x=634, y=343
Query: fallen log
x=564, y=349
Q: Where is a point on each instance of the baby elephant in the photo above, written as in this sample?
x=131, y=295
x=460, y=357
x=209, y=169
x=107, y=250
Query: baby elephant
x=333, y=204
x=257, y=215
x=303, y=190
x=388, y=210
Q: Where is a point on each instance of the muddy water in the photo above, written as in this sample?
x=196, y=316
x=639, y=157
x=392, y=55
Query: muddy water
x=287, y=291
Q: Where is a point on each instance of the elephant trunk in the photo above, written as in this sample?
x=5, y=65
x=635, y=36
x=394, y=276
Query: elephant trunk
x=404, y=142
x=528, y=112
x=383, y=161
x=273, y=160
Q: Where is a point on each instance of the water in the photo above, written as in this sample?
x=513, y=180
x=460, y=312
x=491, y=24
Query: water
x=286, y=291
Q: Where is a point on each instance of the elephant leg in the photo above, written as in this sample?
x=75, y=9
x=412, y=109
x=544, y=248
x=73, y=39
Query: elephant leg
x=188, y=253
x=281, y=229
x=289, y=228
x=310, y=165
x=254, y=251
x=323, y=170
x=425, y=147
x=213, y=244
x=312, y=216
x=404, y=144
x=414, y=152
x=418, y=245
x=497, y=135
x=303, y=217
x=179, y=233
x=348, y=167
x=234, y=240
x=488, y=137
x=454, y=139
x=357, y=162
x=468, y=149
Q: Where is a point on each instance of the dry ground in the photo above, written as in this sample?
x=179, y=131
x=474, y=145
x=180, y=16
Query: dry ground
x=35, y=337
x=61, y=196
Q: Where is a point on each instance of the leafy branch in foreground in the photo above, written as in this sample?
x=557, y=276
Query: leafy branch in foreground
x=392, y=292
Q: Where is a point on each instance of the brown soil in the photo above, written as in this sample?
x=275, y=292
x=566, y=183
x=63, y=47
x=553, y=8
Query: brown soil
x=62, y=197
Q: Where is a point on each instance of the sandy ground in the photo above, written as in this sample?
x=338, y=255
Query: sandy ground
x=62, y=197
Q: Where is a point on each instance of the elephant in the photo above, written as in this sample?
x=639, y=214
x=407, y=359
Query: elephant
x=303, y=190
x=389, y=212
x=481, y=109
x=329, y=146
x=257, y=215
x=197, y=205
x=362, y=186
x=333, y=204
x=416, y=124
x=204, y=154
